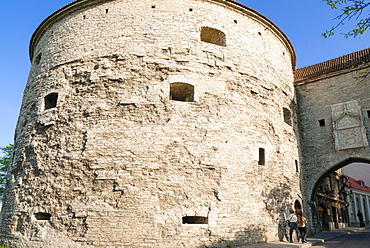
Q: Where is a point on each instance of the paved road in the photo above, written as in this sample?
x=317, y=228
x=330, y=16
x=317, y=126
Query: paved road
x=359, y=239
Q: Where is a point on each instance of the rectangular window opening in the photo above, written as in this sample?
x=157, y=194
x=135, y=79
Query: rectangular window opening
x=182, y=92
x=368, y=114
x=322, y=123
x=287, y=116
x=194, y=220
x=42, y=216
x=213, y=36
x=296, y=166
x=50, y=101
x=261, y=156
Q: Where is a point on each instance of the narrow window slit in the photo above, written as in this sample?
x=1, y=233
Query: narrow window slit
x=261, y=156
x=287, y=116
x=194, y=220
x=38, y=59
x=296, y=166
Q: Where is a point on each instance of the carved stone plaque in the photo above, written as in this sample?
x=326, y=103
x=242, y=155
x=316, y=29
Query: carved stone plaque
x=348, y=128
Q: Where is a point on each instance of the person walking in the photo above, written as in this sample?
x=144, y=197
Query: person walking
x=292, y=221
x=361, y=218
x=302, y=227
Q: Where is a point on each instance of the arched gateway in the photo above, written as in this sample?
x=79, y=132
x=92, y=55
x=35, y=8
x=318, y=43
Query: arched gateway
x=334, y=119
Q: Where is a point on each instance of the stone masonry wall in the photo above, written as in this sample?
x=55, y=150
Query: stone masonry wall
x=334, y=125
x=116, y=163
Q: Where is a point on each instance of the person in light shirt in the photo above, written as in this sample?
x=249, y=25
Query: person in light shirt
x=292, y=220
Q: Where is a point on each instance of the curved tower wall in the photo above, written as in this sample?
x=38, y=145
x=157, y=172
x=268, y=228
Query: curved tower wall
x=135, y=133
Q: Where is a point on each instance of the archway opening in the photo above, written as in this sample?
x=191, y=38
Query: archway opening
x=341, y=193
x=297, y=207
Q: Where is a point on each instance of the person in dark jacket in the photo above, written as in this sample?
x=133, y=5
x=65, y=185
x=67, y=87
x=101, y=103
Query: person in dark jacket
x=361, y=218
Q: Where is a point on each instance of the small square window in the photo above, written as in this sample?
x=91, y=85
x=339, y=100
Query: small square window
x=213, y=36
x=182, y=92
x=322, y=123
x=50, y=101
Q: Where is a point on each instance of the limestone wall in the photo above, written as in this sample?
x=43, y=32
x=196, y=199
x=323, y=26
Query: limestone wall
x=334, y=126
x=103, y=156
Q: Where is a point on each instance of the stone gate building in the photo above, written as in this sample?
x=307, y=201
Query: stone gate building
x=334, y=119
x=166, y=124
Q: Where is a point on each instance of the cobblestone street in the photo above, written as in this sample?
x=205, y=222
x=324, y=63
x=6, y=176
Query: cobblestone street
x=359, y=239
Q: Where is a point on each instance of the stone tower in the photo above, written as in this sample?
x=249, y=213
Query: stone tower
x=154, y=124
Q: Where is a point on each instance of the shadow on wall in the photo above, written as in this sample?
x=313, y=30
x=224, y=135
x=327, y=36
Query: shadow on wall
x=241, y=238
x=278, y=202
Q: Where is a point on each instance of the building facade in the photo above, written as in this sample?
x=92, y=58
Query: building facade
x=331, y=203
x=334, y=121
x=358, y=198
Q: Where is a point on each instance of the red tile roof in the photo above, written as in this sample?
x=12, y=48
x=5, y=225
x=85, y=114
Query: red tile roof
x=344, y=62
x=356, y=184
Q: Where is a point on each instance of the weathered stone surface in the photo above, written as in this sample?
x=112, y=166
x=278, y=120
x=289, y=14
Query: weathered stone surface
x=334, y=127
x=116, y=163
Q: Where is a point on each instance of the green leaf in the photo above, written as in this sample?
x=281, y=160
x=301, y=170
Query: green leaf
x=4, y=163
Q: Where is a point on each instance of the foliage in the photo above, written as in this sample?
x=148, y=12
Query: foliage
x=350, y=10
x=4, y=162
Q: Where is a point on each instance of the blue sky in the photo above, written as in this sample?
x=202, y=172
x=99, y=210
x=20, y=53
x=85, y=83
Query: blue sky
x=302, y=21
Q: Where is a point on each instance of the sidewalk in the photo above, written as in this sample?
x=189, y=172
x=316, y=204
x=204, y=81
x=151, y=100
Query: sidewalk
x=311, y=241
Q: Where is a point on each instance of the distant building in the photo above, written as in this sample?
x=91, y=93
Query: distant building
x=358, y=197
x=331, y=203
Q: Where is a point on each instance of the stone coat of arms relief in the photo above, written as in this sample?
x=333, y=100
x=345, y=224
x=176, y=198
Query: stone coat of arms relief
x=349, y=131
